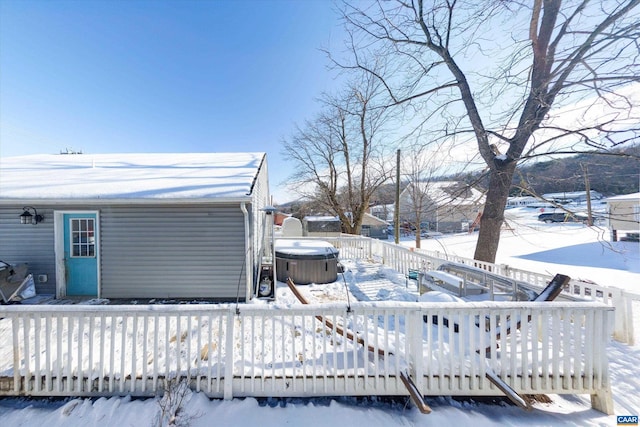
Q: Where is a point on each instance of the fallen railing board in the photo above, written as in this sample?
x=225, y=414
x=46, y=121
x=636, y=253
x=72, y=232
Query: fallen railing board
x=117, y=350
x=508, y=391
x=330, y=325
x=416, y=396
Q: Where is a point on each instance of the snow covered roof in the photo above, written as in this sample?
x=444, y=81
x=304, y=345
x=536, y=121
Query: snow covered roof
x=369, y=219
x=154, y=176
x=321, y=218
x=632, y=196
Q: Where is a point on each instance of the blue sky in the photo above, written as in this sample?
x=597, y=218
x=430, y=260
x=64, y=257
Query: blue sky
x=162, y=76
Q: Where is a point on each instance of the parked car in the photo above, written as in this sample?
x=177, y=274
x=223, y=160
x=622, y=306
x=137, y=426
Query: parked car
x=561, y=217
x=430, y=234
x=631, y=237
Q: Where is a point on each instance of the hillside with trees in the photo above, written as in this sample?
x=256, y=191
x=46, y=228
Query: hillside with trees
x=615, y=173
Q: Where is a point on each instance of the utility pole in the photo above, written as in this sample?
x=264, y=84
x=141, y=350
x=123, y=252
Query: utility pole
x=396, y=208
x=587, y=187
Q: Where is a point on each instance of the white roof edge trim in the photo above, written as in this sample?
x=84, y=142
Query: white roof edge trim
x=158, y=201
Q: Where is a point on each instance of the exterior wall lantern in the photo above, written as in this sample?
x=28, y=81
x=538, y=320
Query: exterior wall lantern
x=26, y=217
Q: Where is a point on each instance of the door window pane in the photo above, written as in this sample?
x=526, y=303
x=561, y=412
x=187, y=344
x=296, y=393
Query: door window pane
x=82, y=237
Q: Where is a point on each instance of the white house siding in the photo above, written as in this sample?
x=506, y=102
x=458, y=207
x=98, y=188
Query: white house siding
x=624, y=212
x=260, y=196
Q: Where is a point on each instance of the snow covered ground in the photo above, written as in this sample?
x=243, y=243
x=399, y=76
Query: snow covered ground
x=572, y=249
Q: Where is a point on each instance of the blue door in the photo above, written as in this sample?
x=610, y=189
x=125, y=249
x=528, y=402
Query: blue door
x=81, y=254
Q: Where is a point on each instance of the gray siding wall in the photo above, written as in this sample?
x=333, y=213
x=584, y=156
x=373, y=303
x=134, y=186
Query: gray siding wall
x=171, y=252
x=32, y=244
x=146, y=251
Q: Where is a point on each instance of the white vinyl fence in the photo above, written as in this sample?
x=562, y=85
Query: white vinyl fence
x=260, y=350
x=403, y=259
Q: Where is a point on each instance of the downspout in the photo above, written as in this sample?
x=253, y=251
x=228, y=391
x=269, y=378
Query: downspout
x=249, y=255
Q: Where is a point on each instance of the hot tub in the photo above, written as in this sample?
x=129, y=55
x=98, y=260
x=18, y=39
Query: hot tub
x=306, y=261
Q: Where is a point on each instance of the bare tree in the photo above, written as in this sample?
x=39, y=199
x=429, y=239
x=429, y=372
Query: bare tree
x=339, y=158
x=520, y=79
x=419, y=168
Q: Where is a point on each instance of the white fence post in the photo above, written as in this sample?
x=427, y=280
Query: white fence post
x=602, y=399
x=229, y=353
x=420, y=368
x=626, y=303
x=620, y=325
x=15, y=328
x=415, y=351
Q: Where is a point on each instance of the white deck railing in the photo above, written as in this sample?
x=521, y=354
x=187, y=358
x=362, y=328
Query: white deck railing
x=403, y=259
x=64, y=350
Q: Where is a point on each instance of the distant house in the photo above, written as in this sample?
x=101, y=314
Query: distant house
x=448, y=206
x=279, y=218
x=330, y=226
x=321, y=226
x=624, y=214
x=384, y=212
x=136, y=225
x=374, y=227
